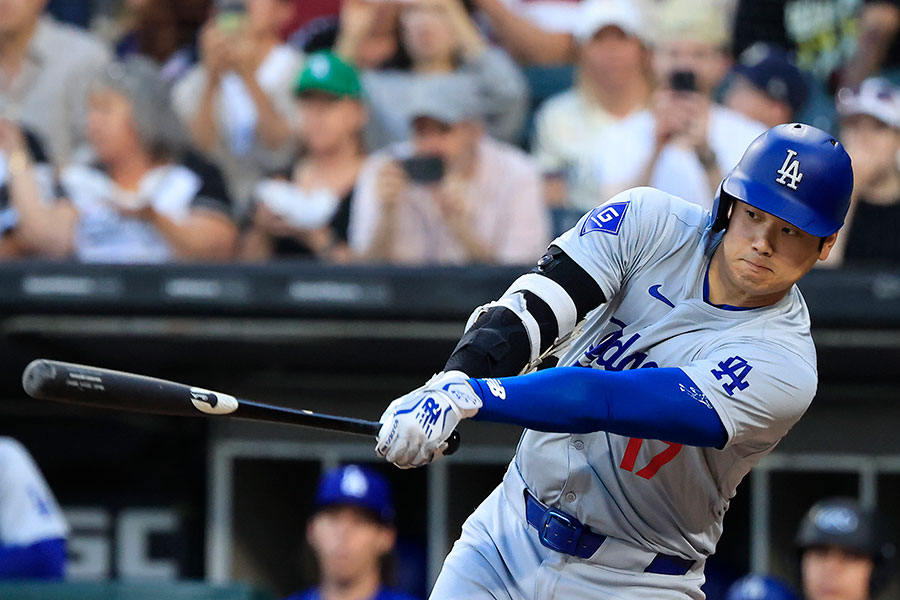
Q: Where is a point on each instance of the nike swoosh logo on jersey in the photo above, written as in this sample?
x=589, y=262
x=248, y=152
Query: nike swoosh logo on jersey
x=654, y=291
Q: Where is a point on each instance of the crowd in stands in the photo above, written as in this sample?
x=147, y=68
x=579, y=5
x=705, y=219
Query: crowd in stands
x=417, y=131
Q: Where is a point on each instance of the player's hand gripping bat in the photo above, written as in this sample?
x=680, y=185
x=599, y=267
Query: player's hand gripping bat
x=92, y=386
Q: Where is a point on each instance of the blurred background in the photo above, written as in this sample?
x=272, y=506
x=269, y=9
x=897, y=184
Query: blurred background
x=301, y=201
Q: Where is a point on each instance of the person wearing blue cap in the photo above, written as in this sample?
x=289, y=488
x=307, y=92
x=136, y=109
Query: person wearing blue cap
x=767, y=85
x=351, y=531
x=760, y=587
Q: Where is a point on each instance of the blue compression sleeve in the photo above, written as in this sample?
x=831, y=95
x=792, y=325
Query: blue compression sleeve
x=41, y=560
x=656, y=404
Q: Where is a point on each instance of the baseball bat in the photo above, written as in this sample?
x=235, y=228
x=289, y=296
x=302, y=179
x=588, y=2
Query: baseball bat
x=92, y=386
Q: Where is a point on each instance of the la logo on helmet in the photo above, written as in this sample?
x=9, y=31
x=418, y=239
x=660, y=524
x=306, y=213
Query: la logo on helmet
x=790, y=169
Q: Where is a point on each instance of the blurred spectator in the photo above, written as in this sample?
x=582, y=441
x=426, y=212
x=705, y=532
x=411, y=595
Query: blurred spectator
x=351, y=532
x=535, y=32
x=870, y=131
x=685, y=143
x=32, y=528
x=845, y=553
x=307, y=213
x=141, y=201
x=451, y=194
x=238, y=101
x=613, y=82
x=877, y=43
x=26, y=170
x=766, y=86
x=838, y=41
x=760, y=587
x=166, y=31
x=44, y=71
x=306, y=11
x=443, y=44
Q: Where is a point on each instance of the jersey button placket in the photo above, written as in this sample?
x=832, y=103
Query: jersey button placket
x=571, y=497
x=578, y=445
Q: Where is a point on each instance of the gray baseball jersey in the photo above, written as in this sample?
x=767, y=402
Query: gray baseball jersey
x=28, y=511
x=649, y=252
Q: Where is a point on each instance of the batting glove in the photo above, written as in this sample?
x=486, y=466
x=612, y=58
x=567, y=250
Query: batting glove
x=415, y=427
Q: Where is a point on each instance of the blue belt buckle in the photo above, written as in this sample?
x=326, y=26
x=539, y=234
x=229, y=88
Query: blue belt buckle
x=560, y=532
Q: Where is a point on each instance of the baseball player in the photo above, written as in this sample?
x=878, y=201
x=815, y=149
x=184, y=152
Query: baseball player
x=32, y=528
x=759, y=587
x=684, y=356
x=845, y=553
x=351, y=532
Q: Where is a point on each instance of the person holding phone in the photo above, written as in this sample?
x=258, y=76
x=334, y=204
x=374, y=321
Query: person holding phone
x=442, y=42
x=237, y=102
x=685, y=142
x=450, y=194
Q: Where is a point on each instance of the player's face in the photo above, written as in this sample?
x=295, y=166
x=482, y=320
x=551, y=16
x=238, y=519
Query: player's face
x=832, y=573
x=762, y=256
x=348, y=543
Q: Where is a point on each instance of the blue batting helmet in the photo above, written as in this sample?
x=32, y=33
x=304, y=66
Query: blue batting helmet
x=794, y=171
x=759, y=587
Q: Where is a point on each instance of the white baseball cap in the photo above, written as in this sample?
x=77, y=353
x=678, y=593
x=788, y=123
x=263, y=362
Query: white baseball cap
x=597, y=14
x=876, y=97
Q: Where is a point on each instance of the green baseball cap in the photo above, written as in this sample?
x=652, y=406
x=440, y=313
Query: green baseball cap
x=327, y=72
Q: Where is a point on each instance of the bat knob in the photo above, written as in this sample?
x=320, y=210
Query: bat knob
x=36, y=376
x=452, y=443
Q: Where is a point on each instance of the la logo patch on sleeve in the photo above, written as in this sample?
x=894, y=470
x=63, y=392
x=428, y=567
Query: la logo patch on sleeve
x=606, y=218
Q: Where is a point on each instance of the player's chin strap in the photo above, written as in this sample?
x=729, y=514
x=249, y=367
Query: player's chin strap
x=721, y=211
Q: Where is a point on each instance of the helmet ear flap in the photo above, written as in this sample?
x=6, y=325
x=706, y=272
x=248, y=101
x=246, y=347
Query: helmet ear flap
x=721, y=210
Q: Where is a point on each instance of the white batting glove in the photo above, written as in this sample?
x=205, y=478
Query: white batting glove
x=415, y=427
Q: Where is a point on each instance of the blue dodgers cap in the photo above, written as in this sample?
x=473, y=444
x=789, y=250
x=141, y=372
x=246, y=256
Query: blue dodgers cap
x=355, y=485
x=770, y=69
x=760, y=587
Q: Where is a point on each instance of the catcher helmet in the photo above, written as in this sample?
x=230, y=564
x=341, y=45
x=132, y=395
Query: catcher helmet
x=842, y=522
x=794, y=171
x=759, y=587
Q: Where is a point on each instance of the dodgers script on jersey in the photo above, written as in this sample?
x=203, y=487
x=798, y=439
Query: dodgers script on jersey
x=649, y=252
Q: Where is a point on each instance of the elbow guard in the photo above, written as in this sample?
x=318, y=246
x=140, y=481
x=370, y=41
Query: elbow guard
x=539, y=310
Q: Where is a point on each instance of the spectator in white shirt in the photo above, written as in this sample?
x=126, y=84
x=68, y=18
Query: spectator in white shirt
x=685, y=142
x=145, y=199
x=238, y=101
x=614, y=81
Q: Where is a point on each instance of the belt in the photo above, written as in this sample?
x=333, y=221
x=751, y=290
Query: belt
x=564, y=533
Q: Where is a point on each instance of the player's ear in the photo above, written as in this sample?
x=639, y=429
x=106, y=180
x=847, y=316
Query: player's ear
x=387, y=538
x=826, y=245
x=311, y=537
